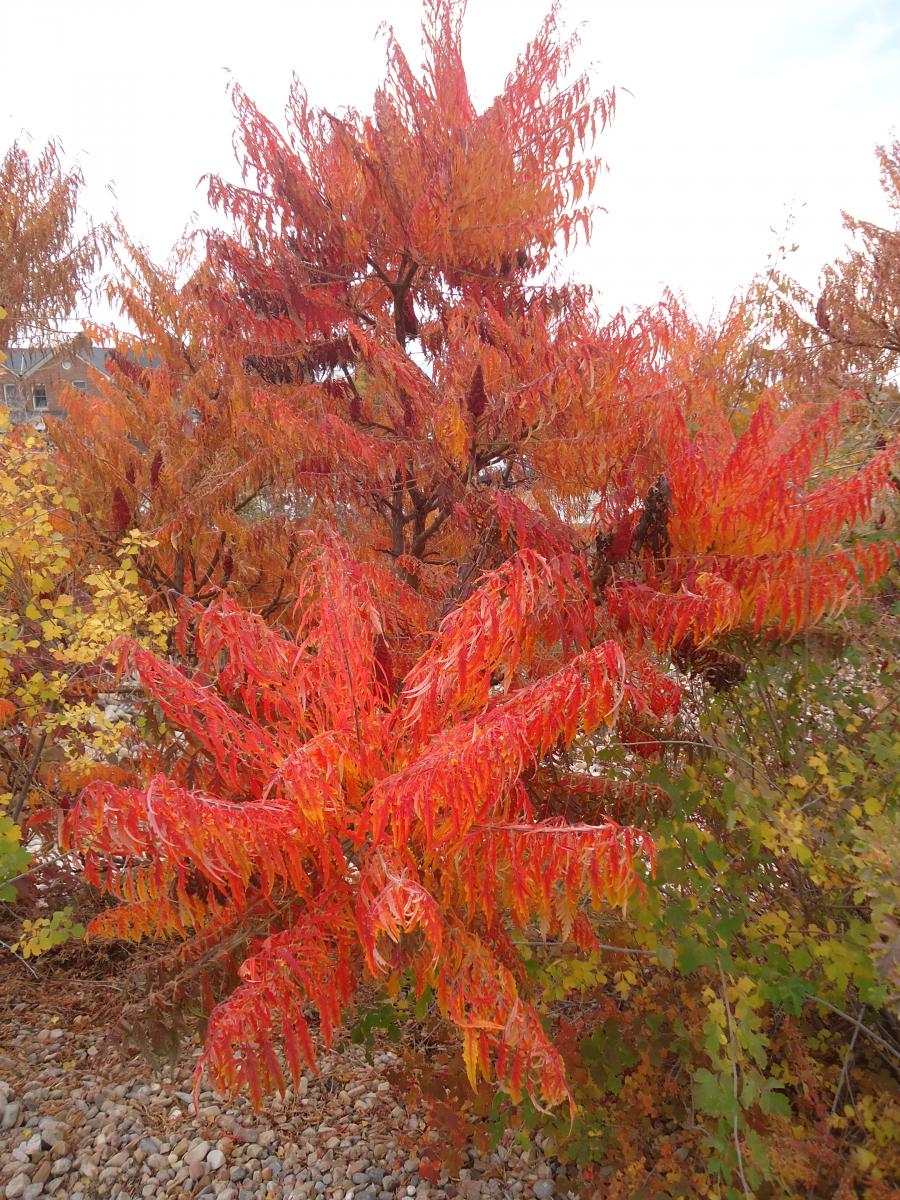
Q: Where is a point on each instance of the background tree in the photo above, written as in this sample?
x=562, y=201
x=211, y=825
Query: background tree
x=171, y=445
x=841, y=336
x=46, y=260
x=858, y=311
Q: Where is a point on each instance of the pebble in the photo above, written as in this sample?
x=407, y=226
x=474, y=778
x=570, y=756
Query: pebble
x=10, y=1115
x=109, y=1129
x=197, y=1153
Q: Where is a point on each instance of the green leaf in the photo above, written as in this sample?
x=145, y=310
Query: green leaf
x=693, y=954
x=772, y=1102
x=666, y=956
x=714, y=1093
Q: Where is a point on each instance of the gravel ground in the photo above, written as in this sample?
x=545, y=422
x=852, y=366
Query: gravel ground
x=82, y=1119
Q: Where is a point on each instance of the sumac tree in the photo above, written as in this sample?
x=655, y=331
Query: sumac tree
x=524, y=527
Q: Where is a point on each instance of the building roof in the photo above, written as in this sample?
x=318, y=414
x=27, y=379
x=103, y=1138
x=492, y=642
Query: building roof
x=97, y=356
x=22, y=361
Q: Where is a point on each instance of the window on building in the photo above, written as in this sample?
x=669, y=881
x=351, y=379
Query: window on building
x=79, y=384
x=39, y=397
x=10, y=393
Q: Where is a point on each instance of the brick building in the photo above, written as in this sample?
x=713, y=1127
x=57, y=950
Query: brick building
x=33, y=381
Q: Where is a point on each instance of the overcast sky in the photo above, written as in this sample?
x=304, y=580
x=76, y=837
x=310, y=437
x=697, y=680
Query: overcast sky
x=735, y=114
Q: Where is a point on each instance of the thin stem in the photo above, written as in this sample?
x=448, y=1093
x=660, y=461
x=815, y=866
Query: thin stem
x=22, y=796
x=845, y=1071
x=713, y=747
x=598, y=945
x=732, y=1054
x=23, y=961
x=857, y=1022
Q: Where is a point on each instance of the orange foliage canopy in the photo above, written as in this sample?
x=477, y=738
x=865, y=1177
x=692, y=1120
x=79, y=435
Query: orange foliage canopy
x=46, y=264
x=509, y=519
x=166, y=447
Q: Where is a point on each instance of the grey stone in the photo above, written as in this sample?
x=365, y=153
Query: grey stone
x=16, y=1187
x=543, y=1189
x=10, y=1118
x=215, y=1159
x=197, y=1153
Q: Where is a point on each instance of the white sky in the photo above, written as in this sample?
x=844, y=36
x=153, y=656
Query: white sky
x=738, y=113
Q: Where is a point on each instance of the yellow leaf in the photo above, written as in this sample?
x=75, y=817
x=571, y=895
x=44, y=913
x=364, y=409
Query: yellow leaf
x=452, y=433
x=470, y=1055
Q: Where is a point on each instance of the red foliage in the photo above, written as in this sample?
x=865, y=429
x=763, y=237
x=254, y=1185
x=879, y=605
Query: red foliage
x=365, y=819
x=563, y=508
